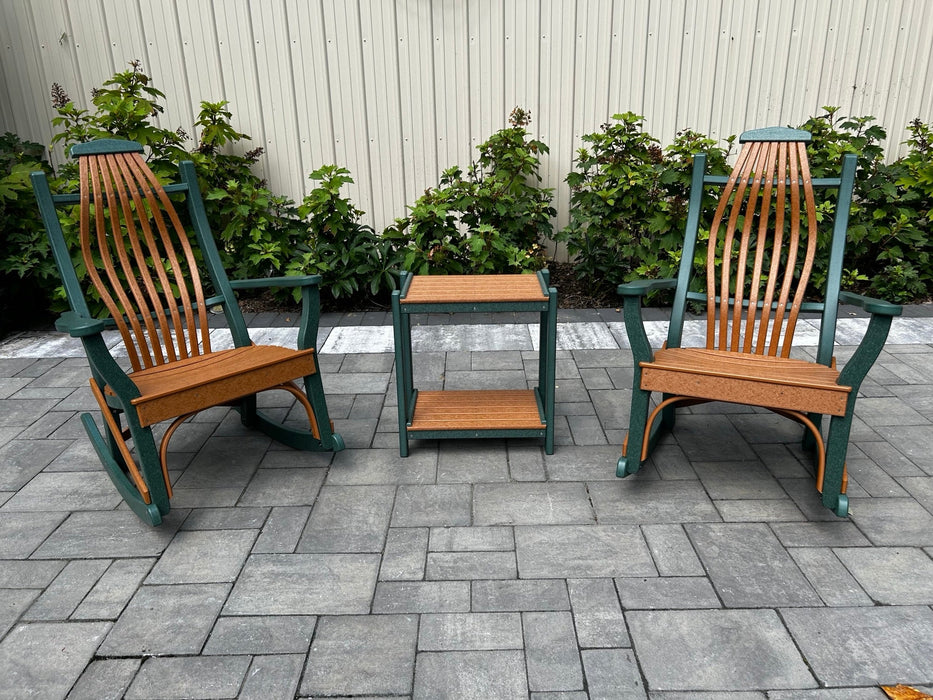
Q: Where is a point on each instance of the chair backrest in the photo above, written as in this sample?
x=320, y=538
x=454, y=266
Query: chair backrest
x=138, y=255
x=140, y=260
x=763, y=241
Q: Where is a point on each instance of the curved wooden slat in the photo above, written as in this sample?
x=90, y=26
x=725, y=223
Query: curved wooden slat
x=755, y=291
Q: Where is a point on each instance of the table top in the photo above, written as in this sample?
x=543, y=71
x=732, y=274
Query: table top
x=458, y=289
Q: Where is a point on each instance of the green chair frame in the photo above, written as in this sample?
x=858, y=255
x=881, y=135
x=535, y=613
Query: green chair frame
x=752, y=305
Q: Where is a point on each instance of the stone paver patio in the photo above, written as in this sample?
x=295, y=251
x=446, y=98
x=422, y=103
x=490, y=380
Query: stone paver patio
x=472, y=569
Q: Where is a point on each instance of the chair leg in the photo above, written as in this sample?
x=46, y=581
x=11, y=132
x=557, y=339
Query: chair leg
x=630, y=461
x=320, y=437
x=668, y=414
x=808, y=443
x=149, y=513
x=140, y=481
x=837, y=443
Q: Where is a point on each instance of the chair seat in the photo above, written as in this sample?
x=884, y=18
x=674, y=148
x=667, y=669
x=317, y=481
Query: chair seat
x=196, y=383
x=738, y=377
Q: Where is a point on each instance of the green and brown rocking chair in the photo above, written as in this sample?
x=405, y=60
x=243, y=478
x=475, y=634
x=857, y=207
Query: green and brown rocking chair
x=762, y=245
x=139, y=259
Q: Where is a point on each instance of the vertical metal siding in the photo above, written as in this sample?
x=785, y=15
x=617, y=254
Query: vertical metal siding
x=399, y=90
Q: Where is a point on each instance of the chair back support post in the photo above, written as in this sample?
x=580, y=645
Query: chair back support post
x=218, y=275
x=837, y=252
x=53, y=227
x=685, y=271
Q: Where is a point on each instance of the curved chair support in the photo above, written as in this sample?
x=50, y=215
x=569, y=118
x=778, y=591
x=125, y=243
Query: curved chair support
x=118, y=439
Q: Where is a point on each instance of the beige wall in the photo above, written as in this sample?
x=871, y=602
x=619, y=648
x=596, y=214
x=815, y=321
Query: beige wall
x=398, y=90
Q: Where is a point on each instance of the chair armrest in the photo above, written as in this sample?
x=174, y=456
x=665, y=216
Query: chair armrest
x=871, y=305
x=632, y=293
x=78, y=326
x=639, y=288
x=103, y=365
x=289, y=281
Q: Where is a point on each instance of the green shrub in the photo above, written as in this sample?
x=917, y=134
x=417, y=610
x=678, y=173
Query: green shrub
x=628, y=201
x=350, y=257
x=494, y=218
x=27, y=272
x=888, y=248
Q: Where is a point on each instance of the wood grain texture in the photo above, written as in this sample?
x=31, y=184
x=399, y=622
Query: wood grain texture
x=502, y=409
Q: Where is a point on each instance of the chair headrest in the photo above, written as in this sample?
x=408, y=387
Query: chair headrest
x=104, y=146
x=775, y=133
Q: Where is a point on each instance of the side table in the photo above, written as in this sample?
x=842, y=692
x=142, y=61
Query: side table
x=475, y=413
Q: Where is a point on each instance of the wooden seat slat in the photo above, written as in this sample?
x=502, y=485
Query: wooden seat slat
x=457, y=289
x=769, y=381
x=208, y=380
x=476, y=410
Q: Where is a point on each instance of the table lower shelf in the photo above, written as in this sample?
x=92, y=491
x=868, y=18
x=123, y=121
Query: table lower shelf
x=467, y=411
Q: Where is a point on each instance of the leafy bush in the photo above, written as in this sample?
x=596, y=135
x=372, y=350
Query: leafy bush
x=494, y=218
x=27, y=272
x=888, y=250
x=350, y=257
x=628, y=201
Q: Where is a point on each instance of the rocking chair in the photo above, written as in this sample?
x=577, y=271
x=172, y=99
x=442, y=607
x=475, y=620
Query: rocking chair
x=141, y=263
x=762, y=246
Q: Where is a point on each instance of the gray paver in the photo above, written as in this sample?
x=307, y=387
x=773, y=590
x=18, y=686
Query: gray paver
x=437, y=505
x=578, y=551
x=305, y=584
x=612, y=674
x=113, y=590
x=239, y=518
x=748, y=566
x=22, y=533
x=891, y=575
x=894, y=522
x=203, y=556
x=282, y=530
x=716, y=650
x=107, y=534
x=521, y=595
x=283, y=487
x=636, y=500
x=468, y=463
x=348, y=519
x=13, y=603
x=383, y=466
x=597, y=613
x=194, y=677
x=672, y=550
x=658, y=593
x=878, y=645
x=532, y=504
x=105, y=679
x=275, y=634
x=47, y=657
x=551, y=653
x=471, y=539
x=166, y=620
x=272, y=676
x=23, y=459
x=66, y=592
x=421, y=597
x=470, y=675
x=453, y=566
x=470, y=632
x=404, y=555
x=835, y=585
x=359, y=655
